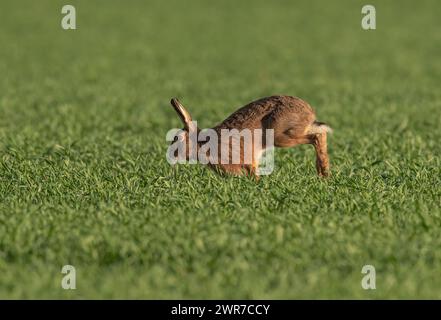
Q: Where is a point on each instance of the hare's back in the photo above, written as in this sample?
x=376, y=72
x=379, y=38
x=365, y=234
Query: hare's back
x=255, y=113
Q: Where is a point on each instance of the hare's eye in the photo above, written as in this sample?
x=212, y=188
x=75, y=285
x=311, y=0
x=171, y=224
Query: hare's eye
x=181, y=138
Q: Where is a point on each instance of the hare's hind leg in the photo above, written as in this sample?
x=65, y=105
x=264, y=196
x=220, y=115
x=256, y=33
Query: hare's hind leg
x=321, y=151
x=318, y=135
x=293, y=129
x=318, y=140
x=290, y=128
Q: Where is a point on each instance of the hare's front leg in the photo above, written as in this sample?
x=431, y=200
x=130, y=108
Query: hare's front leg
x=321, y=151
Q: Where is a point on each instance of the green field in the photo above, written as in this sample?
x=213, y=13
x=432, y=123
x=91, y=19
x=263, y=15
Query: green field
x=84, y=179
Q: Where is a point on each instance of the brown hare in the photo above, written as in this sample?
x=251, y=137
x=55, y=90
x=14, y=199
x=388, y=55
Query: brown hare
x=292, y=120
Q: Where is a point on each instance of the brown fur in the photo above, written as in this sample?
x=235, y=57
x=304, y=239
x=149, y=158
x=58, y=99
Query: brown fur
x=292, y=119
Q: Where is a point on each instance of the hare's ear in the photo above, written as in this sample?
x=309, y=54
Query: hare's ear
x=182, y=112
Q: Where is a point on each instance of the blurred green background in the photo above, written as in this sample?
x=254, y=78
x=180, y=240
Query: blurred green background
x=84, y=178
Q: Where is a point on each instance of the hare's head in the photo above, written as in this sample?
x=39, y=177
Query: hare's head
x=187, y=137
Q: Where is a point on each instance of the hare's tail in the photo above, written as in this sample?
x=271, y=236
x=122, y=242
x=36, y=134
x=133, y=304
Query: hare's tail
x=319, y=127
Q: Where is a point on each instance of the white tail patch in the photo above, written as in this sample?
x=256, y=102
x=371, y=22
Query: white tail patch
x=319, y=127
